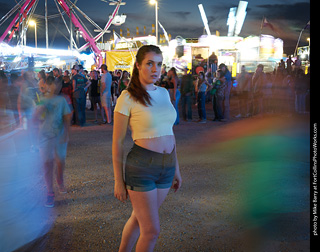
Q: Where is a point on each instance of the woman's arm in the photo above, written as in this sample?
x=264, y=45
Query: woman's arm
x=177, y=180
x=126, y=82
x=88, y=84
x=120, y=126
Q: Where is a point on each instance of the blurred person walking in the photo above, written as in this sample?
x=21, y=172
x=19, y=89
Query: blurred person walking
x=289, y=62
x=288, y=86
x=4, y=102
x=95, y=96
x=268, y=101
x=278, y=90
x=105, y=92
x=187, y=91
x=297, y=64
x=54, y=116
x=227, y=90
x=258, y=83
x=301, y=88
x=151, y=166
x=13, y=93
x=174, y=91
x=243, y=92
x=27, y=99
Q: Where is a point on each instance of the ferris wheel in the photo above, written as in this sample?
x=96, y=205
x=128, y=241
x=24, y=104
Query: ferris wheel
x=24, y=11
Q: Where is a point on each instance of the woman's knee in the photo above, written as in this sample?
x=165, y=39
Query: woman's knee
x=151, y=233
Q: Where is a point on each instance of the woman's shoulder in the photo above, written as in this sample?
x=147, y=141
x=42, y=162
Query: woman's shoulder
x=162, y=90
x=125, y=94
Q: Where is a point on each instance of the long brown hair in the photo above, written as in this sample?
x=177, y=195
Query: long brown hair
x=174, y=71
x=135, y=87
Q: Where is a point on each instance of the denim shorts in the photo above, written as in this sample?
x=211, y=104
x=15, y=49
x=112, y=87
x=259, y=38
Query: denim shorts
x=146, y=170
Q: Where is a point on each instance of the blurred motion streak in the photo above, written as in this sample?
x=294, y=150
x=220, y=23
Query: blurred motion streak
x=23, y=218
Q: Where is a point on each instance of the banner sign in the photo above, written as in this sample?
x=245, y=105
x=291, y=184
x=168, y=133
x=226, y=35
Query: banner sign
x=123, y=60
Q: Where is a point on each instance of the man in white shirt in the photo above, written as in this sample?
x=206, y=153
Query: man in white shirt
x=105, y=92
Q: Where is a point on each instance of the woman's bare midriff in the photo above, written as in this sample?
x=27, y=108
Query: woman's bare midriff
x=163, y=144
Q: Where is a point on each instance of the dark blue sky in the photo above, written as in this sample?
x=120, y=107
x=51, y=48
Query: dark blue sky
x=180, y=17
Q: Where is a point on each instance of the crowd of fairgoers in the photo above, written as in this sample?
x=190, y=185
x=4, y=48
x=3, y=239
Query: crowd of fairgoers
x=285, y=90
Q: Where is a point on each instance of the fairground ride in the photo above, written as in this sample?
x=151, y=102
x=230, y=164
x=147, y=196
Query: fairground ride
x=24, y=10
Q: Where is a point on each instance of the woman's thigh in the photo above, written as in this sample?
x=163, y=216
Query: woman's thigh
x=146, y=205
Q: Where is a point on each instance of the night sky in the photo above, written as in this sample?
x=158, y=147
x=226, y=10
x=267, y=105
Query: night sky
x=179, y=17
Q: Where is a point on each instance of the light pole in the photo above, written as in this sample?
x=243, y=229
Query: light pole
x=155, y=2
x=33, y=23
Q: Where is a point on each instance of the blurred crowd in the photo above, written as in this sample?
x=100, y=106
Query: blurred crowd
x=21, y=92
x=285, y=90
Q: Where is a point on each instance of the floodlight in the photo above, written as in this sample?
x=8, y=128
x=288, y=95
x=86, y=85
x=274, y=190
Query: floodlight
x=204, y=18
x=231, y=22
x=241, y=15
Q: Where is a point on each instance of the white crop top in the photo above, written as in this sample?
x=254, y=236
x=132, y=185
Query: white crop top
x=152, y=121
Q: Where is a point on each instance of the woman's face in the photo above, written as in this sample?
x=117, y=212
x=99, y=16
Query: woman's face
x=150, y=67
x=94, y=75
x=200, y=76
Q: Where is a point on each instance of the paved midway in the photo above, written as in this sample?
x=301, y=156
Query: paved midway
x=245, y=188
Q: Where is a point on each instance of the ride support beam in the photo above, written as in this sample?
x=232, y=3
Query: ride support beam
x=23, y=11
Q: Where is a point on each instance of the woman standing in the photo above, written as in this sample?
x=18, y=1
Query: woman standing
x=174, y=91
x=220, y=86
x=201, y=97
x=151, y=167
x=124, y=80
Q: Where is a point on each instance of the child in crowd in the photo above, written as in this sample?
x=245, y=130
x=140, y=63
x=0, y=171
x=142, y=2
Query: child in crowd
x=54, y=115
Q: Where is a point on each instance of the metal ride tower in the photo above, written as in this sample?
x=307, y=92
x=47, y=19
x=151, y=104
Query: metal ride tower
x=25, y=9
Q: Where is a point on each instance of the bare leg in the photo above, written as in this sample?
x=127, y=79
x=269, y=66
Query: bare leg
x=130, y=234
x=59, y=173
x=48, y=175
x=144, y=220
x=108, y=113
x=101, y=111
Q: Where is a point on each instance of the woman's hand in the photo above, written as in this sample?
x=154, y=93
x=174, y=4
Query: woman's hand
x=120, y=191
x=177, y=181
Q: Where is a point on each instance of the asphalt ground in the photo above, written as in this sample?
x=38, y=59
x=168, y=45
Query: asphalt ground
x=246, y=186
